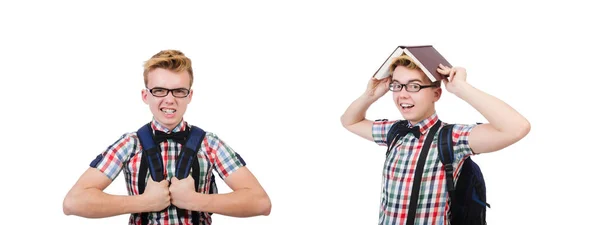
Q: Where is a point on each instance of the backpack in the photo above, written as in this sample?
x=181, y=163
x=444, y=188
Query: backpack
x=467, y=197
x=187, y=160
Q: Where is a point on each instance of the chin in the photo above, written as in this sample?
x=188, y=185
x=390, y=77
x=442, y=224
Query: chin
x=173, y=120
x=167, y=121
x=410, y=116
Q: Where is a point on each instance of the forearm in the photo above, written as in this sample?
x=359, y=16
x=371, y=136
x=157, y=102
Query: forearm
x=240, y=203
x=500, y=115
x=93, y=203
x=357, y=110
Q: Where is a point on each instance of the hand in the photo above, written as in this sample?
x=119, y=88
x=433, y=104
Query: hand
x=181, y=192
x=457, y=76
x=157, y=195
x=377, y=88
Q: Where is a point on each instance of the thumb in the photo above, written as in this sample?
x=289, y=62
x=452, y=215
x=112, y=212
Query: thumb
x=165, y=182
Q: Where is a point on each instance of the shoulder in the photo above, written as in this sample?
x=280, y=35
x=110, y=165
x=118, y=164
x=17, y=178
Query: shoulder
x=211, y=139
x=460, y=136
x=459, y=132
x=117, y=152
x=459, y=128
x=388, y=122
x=208, y=135
x=127, y=139
x=382, y=126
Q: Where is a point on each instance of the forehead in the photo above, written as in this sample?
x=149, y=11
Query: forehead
x=168, y=79
x=404, y=75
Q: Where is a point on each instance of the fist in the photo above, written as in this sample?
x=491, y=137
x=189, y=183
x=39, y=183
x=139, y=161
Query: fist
x=182, y=192
x=156, y=195
x=377, y=88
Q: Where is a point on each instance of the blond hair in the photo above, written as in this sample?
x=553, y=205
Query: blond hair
x=405, y=61
x=172, y=60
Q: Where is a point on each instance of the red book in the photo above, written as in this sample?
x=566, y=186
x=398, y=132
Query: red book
x=425, y=56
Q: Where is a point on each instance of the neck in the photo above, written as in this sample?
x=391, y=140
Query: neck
x=425, y=116
x=170, y=128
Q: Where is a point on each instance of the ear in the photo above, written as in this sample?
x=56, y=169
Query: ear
x=190, y=95
x=437, y=94
x=145, y=96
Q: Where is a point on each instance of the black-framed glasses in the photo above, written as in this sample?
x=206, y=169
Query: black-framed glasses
x=162, y=92
x=410, y=87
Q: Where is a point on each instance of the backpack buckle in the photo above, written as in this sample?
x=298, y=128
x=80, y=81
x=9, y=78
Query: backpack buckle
x=449, y=177
x=448, y=168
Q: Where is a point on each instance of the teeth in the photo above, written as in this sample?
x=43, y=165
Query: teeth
x=406, y=105
x=168, y=111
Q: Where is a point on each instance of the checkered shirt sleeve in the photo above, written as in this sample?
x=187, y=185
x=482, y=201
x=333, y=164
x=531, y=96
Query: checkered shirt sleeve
x=111, y=161
x=225, y=159
x=380, y=129
x=460, y=138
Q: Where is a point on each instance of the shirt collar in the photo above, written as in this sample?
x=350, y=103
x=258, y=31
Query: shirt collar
x=157, y=126
x=427, y=123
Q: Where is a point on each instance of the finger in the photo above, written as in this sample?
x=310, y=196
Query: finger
x=442, y=71
x=452, y=73
x=444, y=67
x=445, y=70
x=388, y=82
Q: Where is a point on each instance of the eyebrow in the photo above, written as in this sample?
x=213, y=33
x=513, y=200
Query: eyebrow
x=410, y=81
x=413, y=80
x=168, y=89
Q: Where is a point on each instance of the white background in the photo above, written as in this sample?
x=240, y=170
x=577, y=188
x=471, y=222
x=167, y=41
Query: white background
x=272, y=79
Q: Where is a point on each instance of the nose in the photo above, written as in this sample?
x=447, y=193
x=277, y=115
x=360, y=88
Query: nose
x=169, y=98
x=403, y=93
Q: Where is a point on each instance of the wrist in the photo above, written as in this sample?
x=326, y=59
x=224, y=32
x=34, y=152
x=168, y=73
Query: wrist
x=200, y=201
x=138, y=203
x=368, y=98
x=462, y=89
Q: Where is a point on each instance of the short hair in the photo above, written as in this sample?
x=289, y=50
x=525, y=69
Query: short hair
x=173, y=60
x=405, y=61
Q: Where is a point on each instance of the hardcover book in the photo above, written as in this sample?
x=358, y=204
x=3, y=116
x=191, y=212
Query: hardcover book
x=425, y=56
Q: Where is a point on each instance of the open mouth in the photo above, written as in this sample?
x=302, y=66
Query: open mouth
x=406, y=106
x=168, y=111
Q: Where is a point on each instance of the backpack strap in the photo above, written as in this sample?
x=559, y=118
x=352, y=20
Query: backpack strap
x=189, y=152
x=414, y=195
x=446, y=154
x=392, y=135
x=188, y=159
x=151, y=158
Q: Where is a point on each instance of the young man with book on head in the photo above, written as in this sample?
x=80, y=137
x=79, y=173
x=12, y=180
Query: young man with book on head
x=168, y=163
x=415, y=94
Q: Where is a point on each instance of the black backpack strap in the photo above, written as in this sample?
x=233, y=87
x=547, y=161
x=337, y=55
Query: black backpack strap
x=446, y=154
x=414, y=194
x=151, y=158
x=392, y=135
x=188, y=160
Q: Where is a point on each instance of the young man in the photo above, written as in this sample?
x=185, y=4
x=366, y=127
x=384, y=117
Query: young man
x=168, y=77
x=415, y=96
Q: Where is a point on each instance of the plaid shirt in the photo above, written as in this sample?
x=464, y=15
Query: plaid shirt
x=398, y=174
x=125, y=155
